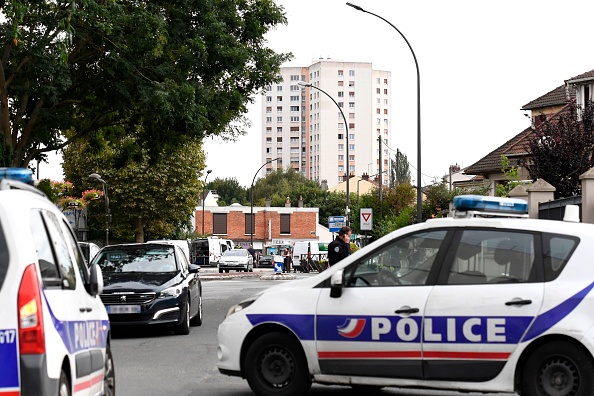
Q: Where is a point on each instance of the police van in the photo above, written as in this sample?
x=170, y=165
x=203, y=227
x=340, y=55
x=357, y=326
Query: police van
x=54, y=330
x=485, y=301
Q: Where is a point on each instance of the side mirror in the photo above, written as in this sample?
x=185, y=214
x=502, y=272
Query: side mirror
x=96, y=281
x=336, y=284
x=194, y=268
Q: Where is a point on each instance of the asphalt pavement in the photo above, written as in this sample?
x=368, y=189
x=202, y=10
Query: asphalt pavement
x=212, y=273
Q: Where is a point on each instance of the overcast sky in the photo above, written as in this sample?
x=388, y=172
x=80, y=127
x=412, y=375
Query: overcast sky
x=480, y=62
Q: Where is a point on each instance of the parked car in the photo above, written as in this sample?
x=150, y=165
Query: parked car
x=236, y=259
x=55, y=336
x=485, y=301
x=182, y=243
x=265, y=261
x=89, y=250
x=150, y=284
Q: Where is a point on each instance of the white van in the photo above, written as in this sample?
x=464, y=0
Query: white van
x=182, y=243
x=300, y=250
x=206, y=251
x=54, y=330
x=226, y=244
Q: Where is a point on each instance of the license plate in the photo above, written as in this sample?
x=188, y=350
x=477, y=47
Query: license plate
x=122, y=309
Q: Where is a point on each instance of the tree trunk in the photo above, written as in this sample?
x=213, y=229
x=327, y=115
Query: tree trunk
x=139, y=230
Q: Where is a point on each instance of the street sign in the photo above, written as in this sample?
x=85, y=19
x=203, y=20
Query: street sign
x=366, y=220
x=335, y=223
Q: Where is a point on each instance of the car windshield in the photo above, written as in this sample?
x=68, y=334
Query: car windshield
x=137, y=259
x=235, y=253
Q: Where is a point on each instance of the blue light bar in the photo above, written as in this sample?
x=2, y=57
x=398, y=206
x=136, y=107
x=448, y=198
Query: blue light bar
x=481, y=203
x=19, y=174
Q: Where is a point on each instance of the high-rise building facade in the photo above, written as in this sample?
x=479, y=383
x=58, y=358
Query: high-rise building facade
x=307, y=131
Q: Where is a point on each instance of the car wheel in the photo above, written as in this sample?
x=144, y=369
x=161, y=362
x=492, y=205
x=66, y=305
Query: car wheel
x=246, y=269
x=220, y=270
x=184, y=327
x=197, y=320
x=109, y=374
x=275, y=365
x=64, y=385
x=558, y=368
x=227, y=271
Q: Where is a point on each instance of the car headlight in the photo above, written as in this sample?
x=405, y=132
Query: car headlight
x=173, y=291
x=242, y=305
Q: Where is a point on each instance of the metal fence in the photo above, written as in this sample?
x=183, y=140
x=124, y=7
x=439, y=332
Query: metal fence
x=555, y=210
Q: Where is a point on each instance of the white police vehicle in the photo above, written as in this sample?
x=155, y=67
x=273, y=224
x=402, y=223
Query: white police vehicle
x=54, y=330
x=468, y=303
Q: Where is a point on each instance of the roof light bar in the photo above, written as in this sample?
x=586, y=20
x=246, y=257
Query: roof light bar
x=483, y=206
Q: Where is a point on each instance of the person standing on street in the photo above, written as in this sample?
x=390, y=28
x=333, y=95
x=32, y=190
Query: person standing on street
x=340, y=247
x=253, y=253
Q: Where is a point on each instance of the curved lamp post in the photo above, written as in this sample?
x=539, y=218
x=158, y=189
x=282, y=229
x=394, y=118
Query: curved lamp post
x=252, y=226
x=107, y=215
x=203, y=197
x=348, y=160
x=419, y=193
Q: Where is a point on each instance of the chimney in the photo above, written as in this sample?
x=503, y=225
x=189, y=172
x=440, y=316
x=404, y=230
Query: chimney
x=365, y=177
x=267, y=202
x=288, y=203
x=300, y=203
x=324, y=185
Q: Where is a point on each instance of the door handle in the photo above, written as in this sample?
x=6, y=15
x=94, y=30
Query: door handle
x=407, y=310
x=519, y=302
x=85, y=309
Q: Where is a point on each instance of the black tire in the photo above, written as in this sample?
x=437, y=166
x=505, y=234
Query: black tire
x=197, y=320
x=109, y=375
x=220, y=271
x=64, y=385
x=275, y=365
x=559, y=369
x=184, y=327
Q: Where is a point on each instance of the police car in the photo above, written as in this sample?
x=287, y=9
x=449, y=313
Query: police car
x=54, y=330
x=486, y=301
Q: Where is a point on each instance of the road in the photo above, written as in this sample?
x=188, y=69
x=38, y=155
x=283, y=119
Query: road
x=157, y=362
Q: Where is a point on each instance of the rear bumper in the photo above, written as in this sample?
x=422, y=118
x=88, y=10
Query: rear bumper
x=34, y=378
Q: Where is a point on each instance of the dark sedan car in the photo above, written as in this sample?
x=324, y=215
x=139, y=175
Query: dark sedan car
x=150, y=284
x=266, y=261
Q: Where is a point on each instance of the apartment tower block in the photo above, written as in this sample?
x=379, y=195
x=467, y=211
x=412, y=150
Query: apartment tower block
x=306, y=131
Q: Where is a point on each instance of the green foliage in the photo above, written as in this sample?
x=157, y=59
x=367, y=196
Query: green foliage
x=512, y=178
x=229, y=191
x=439, y=196
x=158, y=72
x=152, y=197
x=562, y=149
x=400, y=169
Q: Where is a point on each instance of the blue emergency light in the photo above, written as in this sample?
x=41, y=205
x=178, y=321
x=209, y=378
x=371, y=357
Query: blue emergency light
x=495, y=205
x=19, y=174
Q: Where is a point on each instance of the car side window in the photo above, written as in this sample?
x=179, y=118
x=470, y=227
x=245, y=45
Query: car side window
x=183, y=260
x=493, y=256
x=557, y=251
x=76, y=254
x=404, y=262
x=65, y=264
x=50, y=274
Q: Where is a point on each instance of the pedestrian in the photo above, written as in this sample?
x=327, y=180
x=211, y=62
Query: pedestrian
x=287, y=261
x=340, y=247
x=253, y=253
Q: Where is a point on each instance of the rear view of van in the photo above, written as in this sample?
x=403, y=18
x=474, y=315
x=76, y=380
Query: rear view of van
x=54, y=330
x=300, y=252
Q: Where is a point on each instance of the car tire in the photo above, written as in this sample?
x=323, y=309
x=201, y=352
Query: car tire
x=64, y=384
x=184, y=327
x=197, y=320
x=558, y=368
x=220, y=271
x=109, y=380
x=275, y=365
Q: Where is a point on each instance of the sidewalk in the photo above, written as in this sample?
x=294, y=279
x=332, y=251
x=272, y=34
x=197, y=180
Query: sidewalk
x=212, y=273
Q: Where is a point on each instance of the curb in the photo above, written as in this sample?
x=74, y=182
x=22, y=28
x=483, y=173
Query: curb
x=245, y=275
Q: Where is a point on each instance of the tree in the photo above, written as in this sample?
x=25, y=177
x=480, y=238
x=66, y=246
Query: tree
x=512, y=178
x=156, y=198
x=228, y=190
x=400, y=169
x=156, y=71
x=561, y=149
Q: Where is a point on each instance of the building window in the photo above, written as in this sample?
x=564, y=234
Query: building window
x=340, y=83
x=341, y=94
x=269, y=98
x=294, y=87
x=341, y=168
x=279, y=139
x=341, y=157
x=279, y=129
x=377, y=111
x=279, y=119
x=351, y=136
x=351, y=146
x=385, y=80
x=351, y=116
x=269, y=109
x=340, y=136
x=377, y=80
x=351, y=73
x=351, y=83
x=285, y=223
x=248, y=223
x=351, y=125
x=341, y=146
x=294, y=118
x=268, y=129
x=295, y=98
x=279, y=109
x=340, y=73
x=351, y=94
x=294, y=77
x=219, y=223
x=340, y=104
x=351, y=105
x=268, y=140
x=378, y=91
x=351, y=157
x=294, y=108
x=385, y=91
x=268, y=119
x=385, y=111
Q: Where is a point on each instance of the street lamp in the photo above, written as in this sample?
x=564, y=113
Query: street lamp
x=419, y=193
x=107, y=215
x=203, y=197
x=348, y=160
x=252, y=200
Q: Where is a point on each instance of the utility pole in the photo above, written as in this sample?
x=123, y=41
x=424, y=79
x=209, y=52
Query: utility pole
x=381, y=174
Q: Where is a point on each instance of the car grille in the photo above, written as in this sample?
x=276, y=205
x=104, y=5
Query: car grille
x=174, y=315
x=123, y=318
x=132, y=298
